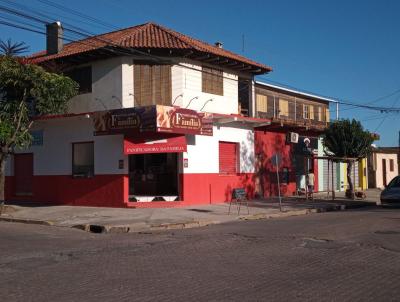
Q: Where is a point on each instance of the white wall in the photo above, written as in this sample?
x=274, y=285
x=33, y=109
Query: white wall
x=107, y=81
x=55, y=156
x=113, y=87
x=188, y=81
x=203, y=156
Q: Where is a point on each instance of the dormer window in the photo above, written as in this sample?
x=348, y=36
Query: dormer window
x=212, y=81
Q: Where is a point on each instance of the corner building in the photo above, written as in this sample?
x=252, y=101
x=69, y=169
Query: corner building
x=161, y=120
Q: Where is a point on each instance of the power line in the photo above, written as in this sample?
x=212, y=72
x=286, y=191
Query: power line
x=342, y=102
x=125, y=50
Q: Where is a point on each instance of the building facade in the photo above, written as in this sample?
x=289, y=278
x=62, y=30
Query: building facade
x=162, y=119
x=383, y=166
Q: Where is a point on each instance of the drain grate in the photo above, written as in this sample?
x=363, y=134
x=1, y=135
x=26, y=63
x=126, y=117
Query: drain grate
x=97, y=228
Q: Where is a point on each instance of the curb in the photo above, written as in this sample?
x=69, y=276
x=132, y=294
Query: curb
x=27, y=221
x=277, y=215
x=101, y=229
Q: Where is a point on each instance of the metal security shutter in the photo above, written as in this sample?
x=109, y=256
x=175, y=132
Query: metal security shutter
x=227, y=158
x=328, y=175
x=355, y=176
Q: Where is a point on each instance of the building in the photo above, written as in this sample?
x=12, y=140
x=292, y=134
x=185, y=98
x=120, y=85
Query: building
x=383, y=166
x=161, y=120
x=291, y=112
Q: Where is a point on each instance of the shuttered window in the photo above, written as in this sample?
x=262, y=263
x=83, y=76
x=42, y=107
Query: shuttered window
x=306, y=112
x=228, y=158
x=327, y=116
x=311, y=112
x=319, y=117
x=262, y=105
x=283, y=107
x=212, y=81
x=152, y=84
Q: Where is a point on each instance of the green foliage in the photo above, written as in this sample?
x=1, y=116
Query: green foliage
x=347, y=138
x=27, y=91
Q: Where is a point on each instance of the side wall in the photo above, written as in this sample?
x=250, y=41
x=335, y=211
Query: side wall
x=202, y=181
x=52, y=162
x=267, y=145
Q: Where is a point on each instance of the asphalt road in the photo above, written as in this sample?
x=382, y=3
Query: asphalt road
x=338, y=256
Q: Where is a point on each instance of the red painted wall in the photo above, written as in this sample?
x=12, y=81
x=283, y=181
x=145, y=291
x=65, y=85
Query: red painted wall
x=214, y=188
x=267, y=144
x=101, y=190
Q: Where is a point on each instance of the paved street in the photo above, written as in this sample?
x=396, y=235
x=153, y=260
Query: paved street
x=338, y=256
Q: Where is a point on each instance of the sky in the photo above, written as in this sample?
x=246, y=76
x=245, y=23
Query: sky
x=347, y=50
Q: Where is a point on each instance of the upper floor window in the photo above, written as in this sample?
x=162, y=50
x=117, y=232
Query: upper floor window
x=283, y=107
x=261, y=103
x=152, y=84
x=319, y=114
x=308, y=112
x=83, y=76
x=212, y=81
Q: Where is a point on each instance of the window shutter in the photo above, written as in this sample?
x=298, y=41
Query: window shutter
x=327, y=117
x=319, y=113
x=311, y=112
x=261, y=101
x=283, y=107
x=227, y=158
x=152, y=84
x=212, y=81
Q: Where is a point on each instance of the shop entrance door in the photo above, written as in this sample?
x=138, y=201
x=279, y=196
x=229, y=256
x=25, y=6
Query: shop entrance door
x=23, y=172
x=153, y=177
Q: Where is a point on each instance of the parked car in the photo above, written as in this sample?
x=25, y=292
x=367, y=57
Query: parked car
x=391, y=194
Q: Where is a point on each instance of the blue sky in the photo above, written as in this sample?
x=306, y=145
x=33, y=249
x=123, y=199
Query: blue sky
x=344, y=49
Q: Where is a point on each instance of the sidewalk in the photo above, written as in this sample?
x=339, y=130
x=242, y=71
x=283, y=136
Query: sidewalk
x=101, y=220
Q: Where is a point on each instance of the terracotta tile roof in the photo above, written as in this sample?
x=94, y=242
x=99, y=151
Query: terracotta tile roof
x=148, y=35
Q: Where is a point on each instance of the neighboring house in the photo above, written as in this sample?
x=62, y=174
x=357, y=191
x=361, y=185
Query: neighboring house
x=161, y=120
x=382, y=166
x=290, y=111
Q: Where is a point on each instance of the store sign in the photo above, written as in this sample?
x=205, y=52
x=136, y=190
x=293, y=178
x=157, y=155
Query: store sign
x=171, y=144
x=181, y=120
x=123, y=120
x=152, y=118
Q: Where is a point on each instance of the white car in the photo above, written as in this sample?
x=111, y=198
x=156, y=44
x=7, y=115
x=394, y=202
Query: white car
x=391, y=194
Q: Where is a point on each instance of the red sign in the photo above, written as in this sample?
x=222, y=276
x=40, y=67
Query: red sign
x=156, y=144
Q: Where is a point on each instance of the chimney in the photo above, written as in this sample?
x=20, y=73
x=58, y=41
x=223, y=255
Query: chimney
x=218, y=44
x=54, y=37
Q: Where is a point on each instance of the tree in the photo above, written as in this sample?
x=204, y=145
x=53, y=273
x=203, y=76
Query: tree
x=9, y=48
x=348, y=139
x=26, y=92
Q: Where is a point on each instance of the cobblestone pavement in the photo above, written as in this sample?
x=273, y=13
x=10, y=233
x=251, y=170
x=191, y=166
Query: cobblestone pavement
x=337, y=256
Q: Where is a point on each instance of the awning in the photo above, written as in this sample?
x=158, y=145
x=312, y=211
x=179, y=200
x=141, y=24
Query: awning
x=155, y=144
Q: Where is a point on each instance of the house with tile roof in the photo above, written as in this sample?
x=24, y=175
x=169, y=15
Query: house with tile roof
x=161, y=119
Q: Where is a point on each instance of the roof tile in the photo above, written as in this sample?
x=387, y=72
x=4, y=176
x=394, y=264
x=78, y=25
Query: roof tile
x=148, y=35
